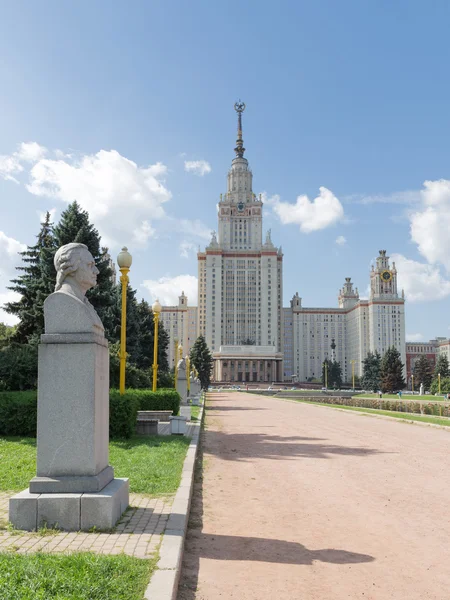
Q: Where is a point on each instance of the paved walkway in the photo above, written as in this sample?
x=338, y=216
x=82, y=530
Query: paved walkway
x=138, y=533
x=304, y=502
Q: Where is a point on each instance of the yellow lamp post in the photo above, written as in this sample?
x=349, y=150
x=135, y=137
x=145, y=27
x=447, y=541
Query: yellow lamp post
x=156, y=308
x=175, y=361
x=353, y=362
x=124, y=261
x=439, y=383
x=188, y=374
x=326, y=374
x=412, y=383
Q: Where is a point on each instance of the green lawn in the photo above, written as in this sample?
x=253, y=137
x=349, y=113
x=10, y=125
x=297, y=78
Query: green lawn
x=390, y=413
x=427, y=398
x=195, y=411
x=152, y=463
x=78, y=576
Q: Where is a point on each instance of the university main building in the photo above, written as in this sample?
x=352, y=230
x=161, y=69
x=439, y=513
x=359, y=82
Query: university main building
x=240, y=302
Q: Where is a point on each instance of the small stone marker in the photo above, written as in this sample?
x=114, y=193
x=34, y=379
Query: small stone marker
x=74, y=487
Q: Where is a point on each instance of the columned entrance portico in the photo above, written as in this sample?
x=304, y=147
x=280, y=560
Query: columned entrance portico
x=248, y=364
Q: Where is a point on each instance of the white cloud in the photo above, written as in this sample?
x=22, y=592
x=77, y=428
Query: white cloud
x=322, y=212
x=414, y=337
x=11, y=165
x=198, y=167
x=430, y=225
x=122, y=198
x=193, y=227
x=341, y=240
x=8, y=296
x=187, y=249
x=408, y=197
x=9, y=248
x=167, y=289
x=421, y=282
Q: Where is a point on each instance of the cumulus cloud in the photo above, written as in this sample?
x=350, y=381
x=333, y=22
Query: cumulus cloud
x=122, y=198
x=12, y=164
x=198, y=167
x=430, y=225
x=9, y=248
x=311, y=215
x=341, y=240
x=414, y=337
x=422, y=282
x=167, y=289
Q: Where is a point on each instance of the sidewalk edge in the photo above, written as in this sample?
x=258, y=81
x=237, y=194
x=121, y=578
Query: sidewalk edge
x=164, y=582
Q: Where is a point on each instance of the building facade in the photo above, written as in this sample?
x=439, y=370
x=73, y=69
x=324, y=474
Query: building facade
x=240, y=301
x=180, y=322
x=241, y=283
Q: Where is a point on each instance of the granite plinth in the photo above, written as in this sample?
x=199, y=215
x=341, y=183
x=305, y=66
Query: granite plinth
x=70, y=512
x=72, y=485
x=178, y=425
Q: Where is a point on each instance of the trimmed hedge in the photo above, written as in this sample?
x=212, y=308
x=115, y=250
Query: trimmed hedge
x=439, y=409
x=18, y=413
x=164, y=399
x=18, y=410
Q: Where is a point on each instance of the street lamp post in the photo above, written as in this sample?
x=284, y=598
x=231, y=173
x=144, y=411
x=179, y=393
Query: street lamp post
x=156, y=312
x=175, y=361
x=326, y=375
x=439, y=383
x=412, y=383
x=188, y=373
x=124, y=261
x=353, y=372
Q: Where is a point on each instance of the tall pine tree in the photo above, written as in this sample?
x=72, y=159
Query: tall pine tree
x=392, y=371
x=441, y=367
x=371, y=371
x=74, y=226
x=422, y=372
x=34, y=284
x=202, y=360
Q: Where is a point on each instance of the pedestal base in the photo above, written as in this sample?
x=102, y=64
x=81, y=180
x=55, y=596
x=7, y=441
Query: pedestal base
x=185, y=411
x=70, y=512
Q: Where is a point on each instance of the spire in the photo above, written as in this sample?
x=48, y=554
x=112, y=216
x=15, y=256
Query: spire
x=239, y=107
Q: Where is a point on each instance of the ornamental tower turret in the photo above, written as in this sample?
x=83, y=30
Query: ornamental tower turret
x=383, y=279
x=240, y=211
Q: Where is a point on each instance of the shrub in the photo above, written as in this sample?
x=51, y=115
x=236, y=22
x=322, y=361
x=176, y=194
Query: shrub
x=165, y=399
x=122, y=414
x=18, y=413
x=18, y=367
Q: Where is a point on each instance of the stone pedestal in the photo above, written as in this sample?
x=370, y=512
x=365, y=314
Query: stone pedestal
x=178, y=425
x=182, y=386
x=74, y=487
x=185, y=411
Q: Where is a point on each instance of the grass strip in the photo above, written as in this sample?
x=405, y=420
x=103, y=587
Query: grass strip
x=77, y=576
x=389, y=413
x=417, y=397
x=152, y=463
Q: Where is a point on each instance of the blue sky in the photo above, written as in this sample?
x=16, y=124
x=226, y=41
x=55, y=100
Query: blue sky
x=106, y=102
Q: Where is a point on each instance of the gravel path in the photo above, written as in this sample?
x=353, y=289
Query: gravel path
x=305, y=502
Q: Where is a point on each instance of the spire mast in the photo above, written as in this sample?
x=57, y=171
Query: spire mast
x=239, y=107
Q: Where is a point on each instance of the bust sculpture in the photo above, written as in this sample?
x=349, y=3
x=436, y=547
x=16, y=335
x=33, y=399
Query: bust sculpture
x=181, y=366
x=68, y=310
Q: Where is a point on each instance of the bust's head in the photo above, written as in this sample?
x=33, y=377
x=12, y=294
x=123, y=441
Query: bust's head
x=75, y=264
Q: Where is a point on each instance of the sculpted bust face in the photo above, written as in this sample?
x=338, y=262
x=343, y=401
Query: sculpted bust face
x=75, y=267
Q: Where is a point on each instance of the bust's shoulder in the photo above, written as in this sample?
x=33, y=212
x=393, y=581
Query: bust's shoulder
x=65, y=313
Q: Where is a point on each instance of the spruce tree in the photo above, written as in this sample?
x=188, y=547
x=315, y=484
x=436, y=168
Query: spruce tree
x=371, y=371
x=422, y=372
x=34, y=284
x=335, y=375
x=392, y=371
x=74, y=226
x=441, y=367
x=202, y=360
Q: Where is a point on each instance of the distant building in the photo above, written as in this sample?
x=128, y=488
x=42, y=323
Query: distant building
x=414, y=350
x=240, y=301
x=180, y=322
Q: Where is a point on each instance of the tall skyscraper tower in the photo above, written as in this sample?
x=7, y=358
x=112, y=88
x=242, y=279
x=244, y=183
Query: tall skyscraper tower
x=241, y=283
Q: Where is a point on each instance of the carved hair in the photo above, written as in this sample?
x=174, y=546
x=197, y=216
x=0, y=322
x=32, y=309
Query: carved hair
x=67, y=260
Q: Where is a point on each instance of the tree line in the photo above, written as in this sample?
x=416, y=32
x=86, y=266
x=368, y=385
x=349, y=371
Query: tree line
x=36, y=280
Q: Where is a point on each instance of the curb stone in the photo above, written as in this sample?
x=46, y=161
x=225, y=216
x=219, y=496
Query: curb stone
x=164, y=582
